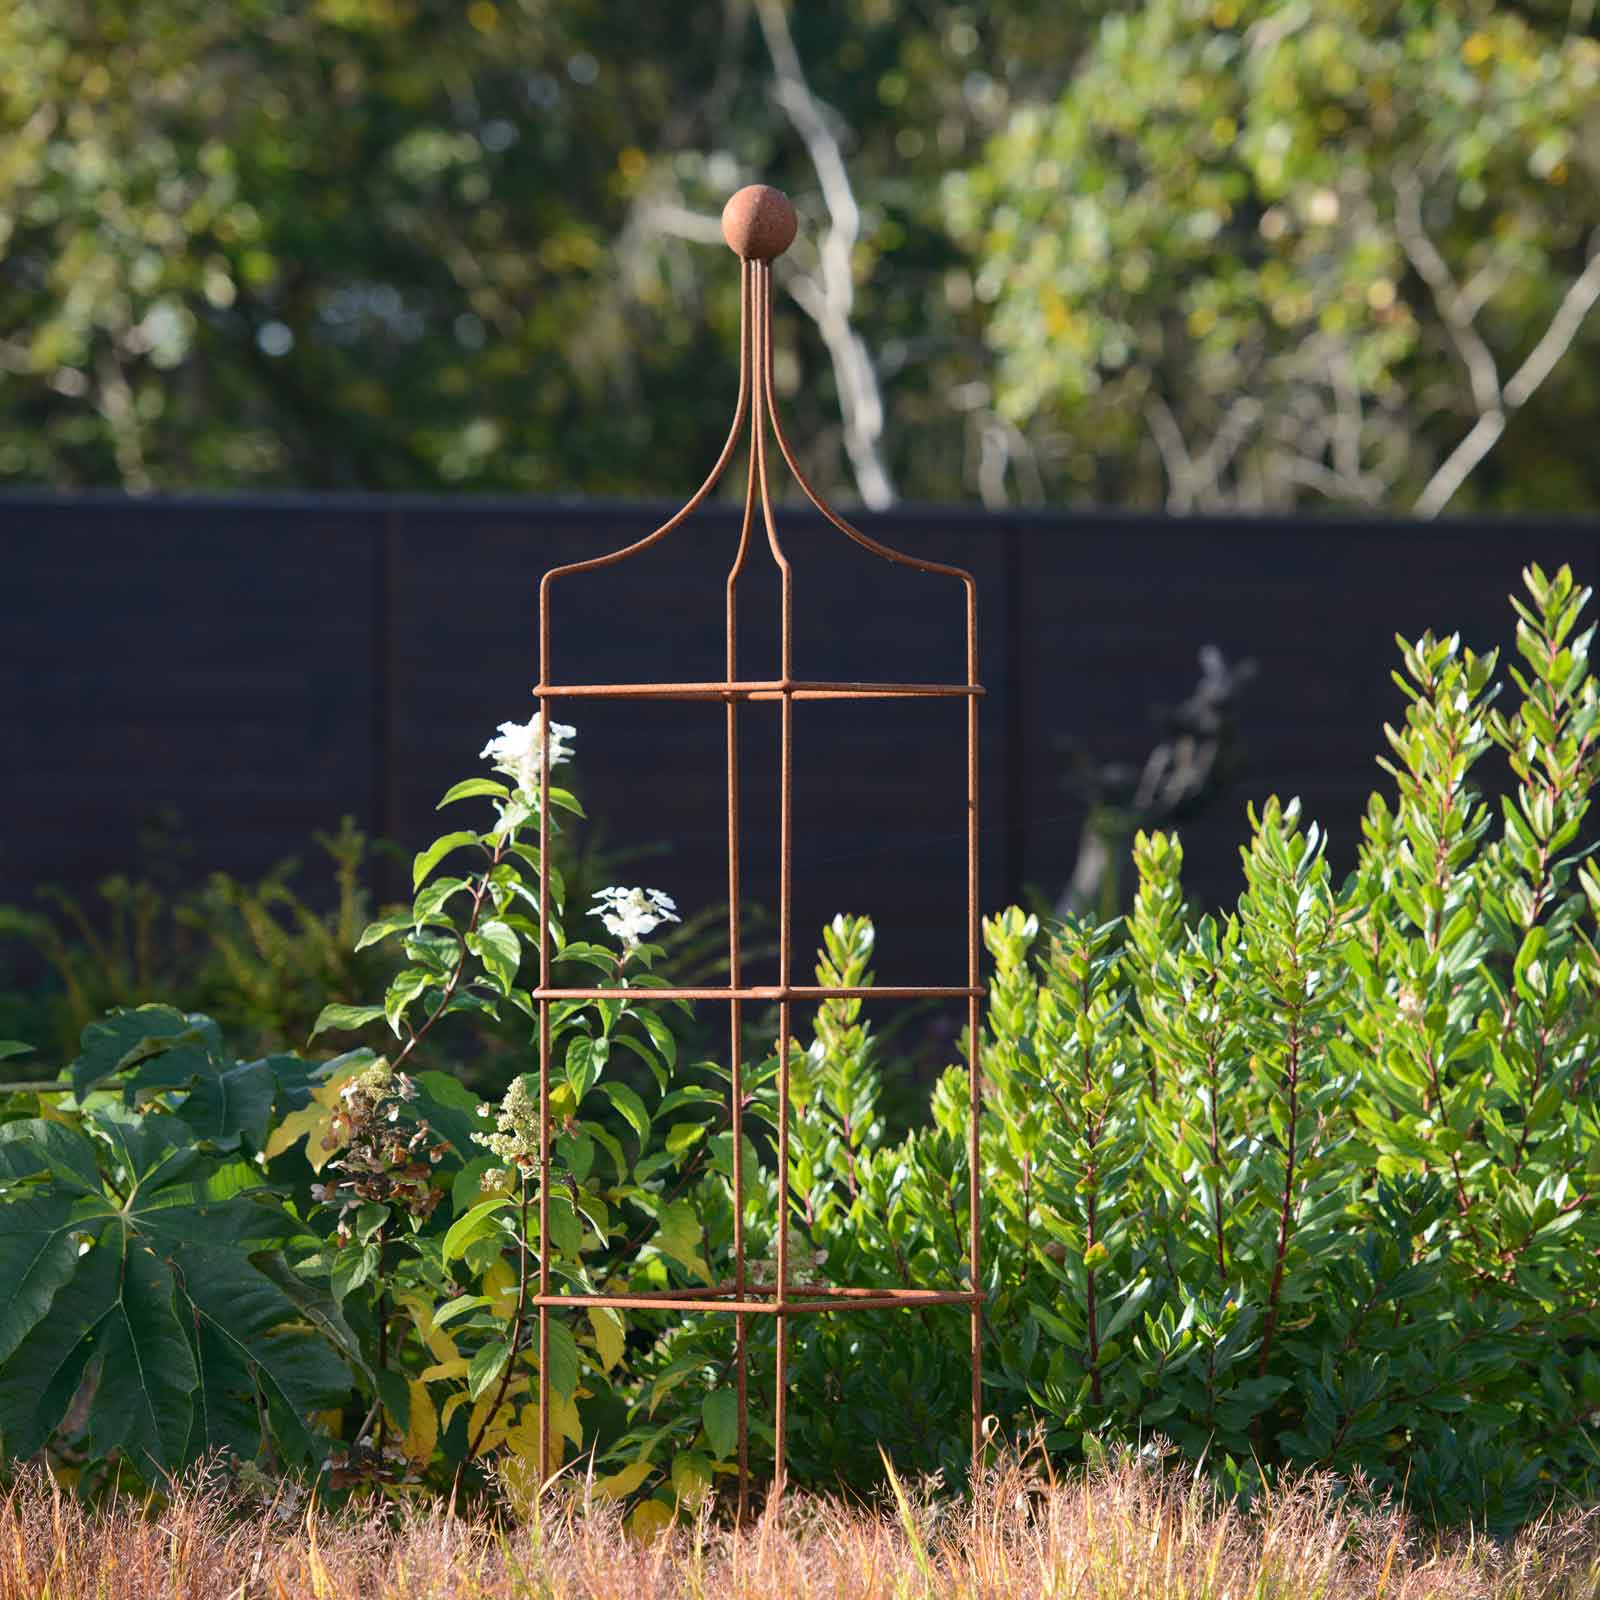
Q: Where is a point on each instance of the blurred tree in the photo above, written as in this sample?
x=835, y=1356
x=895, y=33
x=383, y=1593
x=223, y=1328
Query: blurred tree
x=356, y=244
x=418, y=244
x=1269, y=254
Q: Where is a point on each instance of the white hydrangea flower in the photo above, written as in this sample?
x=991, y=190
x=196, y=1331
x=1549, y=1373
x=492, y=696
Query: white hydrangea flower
x=516, y=752
x=634, y=914
x=516, y=1136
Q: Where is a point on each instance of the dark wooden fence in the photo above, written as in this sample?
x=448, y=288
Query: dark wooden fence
x=262, y=666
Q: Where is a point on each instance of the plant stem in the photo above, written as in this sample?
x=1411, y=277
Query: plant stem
x=517, y=1319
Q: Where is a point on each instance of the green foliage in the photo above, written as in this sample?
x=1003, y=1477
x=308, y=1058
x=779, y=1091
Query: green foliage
x=1236, y=250
x=137, y=1239
x=300, y=254
x=1308, y=1184
x=1354, y=1225
x=259, y=957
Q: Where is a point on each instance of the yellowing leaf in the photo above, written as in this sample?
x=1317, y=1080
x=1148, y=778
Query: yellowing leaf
x=691, y=1477
x=619, y=1485
x=437, y=1340
x=523, y=1439
x=649, y=1521
x=311, y=1123
x=423, y=1434
x=500, y=1284
x=455, y=1367
x=678, y=1232
x=609, y=1331
x=519, y=1480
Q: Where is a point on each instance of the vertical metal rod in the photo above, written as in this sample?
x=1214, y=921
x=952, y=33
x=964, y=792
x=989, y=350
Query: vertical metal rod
x=735, y=931
x=544, y=1062
x=763, y=402
x=974, y=1082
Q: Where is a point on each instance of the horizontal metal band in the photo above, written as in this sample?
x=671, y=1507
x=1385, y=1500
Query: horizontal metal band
x=761, y=992
x=806, y=1299
x=752, y=689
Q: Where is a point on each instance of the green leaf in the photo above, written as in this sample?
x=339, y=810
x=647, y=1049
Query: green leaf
x=451, y=1110
x=345, y=1018
x=14, y=1047
x=498, y=947
x=430, y=901
x=38, y=1254
x=428, y=859
x=486, y=1365
x=563, y=1359
x=38, y=1382
x=691, y=1094
x=660, y=1033
x=235, y=1103
x=35, y=1144
x=627, y=1101
x=147, y=1370
x=678, y=1234
x=566, y=800
x=683, y=1136
x=468, y=787
x=720, y=1413
x=250, y=1338
x=473, y=1225
x=125, y=1038
x=395, y=922
x=585, y=1058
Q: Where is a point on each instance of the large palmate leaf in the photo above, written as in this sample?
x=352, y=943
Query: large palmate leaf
x=156, y=1050
x=126, y=1039
x=129, y=1248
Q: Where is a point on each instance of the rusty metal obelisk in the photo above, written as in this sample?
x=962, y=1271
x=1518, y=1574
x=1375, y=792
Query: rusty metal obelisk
x=759, y=225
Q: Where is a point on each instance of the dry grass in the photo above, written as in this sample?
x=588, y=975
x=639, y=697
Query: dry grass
x=1122, y=1533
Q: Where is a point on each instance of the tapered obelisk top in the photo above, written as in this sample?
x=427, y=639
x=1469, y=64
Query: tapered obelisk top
x=758, y=223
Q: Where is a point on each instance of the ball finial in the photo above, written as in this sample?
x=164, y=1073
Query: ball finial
x=758, y=223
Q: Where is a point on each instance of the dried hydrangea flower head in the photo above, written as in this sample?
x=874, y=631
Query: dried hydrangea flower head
x=383, y=1159
x=634, y=914
x=517, y=750
x=516, y=1137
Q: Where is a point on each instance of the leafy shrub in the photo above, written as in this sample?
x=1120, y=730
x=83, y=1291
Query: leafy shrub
x=259, y=957
x=1308, y=1184
x=143, y=1259
x=1312, y=1182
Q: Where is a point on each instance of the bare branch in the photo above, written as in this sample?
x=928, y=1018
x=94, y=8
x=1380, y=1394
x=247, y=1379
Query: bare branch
x=1217, y=457
x=1541, y=361
x=1456, y=466
x=657, y=215
x=1482, y=372
x=1169, y=440
x=828, y=295
x=1557, y=338
x=1196, y=480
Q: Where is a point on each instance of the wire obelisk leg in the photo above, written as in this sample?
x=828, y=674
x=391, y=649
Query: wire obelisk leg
x=974, y=1063
x=544, y=1082
x=758, y=444
x=741, y=1331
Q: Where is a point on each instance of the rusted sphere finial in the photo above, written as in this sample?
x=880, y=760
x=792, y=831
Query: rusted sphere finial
x=758, y=223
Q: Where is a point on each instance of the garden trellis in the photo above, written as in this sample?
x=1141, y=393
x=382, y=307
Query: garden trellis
x=759, y=224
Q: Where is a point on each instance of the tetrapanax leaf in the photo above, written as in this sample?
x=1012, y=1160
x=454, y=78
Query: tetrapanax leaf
x=147, y=1376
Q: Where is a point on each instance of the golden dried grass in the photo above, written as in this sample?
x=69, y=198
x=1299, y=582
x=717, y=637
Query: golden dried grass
x=1125, y=1531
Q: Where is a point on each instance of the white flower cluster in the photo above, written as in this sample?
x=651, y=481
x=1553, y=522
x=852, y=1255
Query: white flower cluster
x=518, y=749
x=516, y=1140
x=634, y=914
